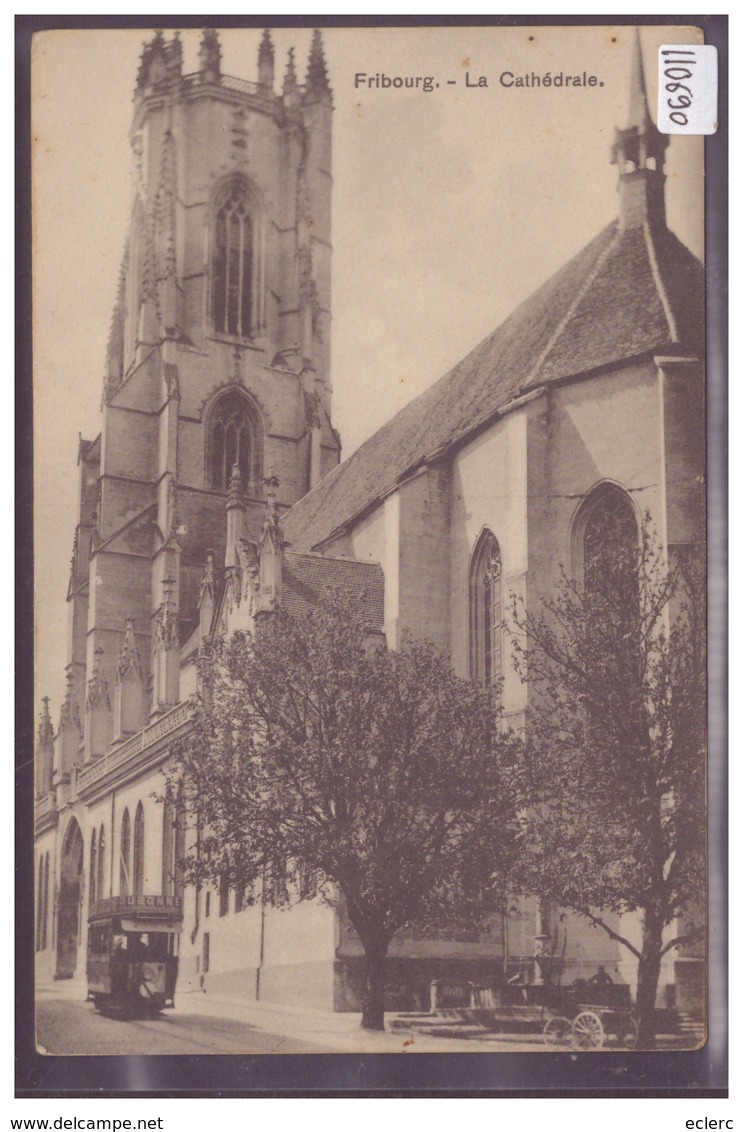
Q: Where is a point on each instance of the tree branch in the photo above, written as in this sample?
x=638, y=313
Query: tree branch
x=690, y=937
x=599, y=923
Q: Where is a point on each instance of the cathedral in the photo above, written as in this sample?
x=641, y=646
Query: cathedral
x=215, y=490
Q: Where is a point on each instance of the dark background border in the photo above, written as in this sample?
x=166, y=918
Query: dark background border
x=700, y=1073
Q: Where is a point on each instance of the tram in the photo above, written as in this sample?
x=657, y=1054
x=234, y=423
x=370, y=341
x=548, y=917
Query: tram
x=132, y=962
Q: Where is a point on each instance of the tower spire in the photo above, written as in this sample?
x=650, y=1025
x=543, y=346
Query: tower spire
x=638, y=152
x=638, y=113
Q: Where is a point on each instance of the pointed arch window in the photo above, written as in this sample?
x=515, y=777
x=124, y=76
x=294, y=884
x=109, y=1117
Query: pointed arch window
x=173, y=849
x=234, y=438
x=486, y=612
x=138, y=866
x=101, y=864
x=608, y=543
x=93, y=874
x=125, y=854
x=234, y=262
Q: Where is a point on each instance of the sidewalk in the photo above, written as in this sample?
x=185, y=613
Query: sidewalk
x=342, y=1033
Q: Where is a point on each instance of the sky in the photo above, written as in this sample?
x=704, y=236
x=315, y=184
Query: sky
x=449, y=208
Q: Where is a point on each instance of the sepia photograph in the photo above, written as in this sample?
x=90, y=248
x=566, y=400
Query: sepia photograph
x=370, y=668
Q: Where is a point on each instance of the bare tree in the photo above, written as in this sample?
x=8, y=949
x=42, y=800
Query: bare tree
x=616, y=749
x=315, y=749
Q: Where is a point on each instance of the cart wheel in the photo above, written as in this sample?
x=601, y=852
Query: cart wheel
x=557, y=1031
x=588, y=1031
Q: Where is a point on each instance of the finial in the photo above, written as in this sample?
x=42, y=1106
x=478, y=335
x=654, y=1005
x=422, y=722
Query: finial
x=166, y=633
x=271, y=518
x=290, y=90
x=271, y=483
x=97, y=686
x=210, y=55
x=152, y=65
x=46, y=731
x=69, y=713
x=317, y=83
x=266, y=60
x=174, y=56
x=207, y=578
x=235, y=490
x=129, y=656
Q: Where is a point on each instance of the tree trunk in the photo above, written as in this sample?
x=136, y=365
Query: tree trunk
x=372, y=1017
x=648, y=974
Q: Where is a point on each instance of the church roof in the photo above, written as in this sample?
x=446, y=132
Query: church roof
x=308, y=580
x=630, y=293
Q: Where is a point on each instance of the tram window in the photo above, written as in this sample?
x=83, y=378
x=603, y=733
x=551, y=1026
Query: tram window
x=98, y=939
x=157, y=945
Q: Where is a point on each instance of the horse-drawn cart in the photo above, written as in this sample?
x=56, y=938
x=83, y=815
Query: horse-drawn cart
x=583, y=1015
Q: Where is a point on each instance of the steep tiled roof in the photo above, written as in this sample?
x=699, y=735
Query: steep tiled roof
x=308, y=580
x=627, y=294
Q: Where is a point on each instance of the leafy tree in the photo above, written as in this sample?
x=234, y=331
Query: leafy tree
x=315, y=748
x=616, y=748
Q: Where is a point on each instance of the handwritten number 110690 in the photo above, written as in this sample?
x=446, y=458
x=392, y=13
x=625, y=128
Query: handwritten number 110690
x=677, y=71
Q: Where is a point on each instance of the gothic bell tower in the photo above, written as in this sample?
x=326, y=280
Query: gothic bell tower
x=218, y=358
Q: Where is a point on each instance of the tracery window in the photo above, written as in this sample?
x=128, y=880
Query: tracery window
x=138, y=868
x=125, y=852
x=486, y=612
x=232, y=263
x=233, y=438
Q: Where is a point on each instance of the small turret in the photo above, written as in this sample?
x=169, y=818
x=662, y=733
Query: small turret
x=266, y=61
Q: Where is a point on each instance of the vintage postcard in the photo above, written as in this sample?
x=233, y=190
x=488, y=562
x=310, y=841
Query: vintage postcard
x=369, y=418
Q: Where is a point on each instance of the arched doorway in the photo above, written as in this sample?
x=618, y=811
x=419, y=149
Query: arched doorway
x=68, y=904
